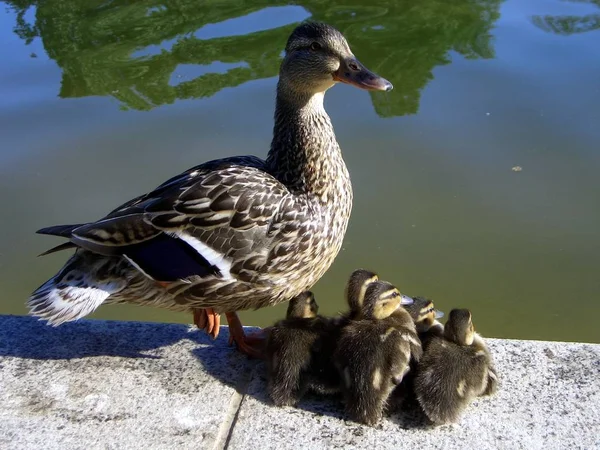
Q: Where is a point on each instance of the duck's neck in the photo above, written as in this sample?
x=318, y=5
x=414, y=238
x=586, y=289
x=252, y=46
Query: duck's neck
x=304, y=154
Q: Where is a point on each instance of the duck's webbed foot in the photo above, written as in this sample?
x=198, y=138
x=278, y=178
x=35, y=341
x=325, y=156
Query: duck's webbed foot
x=253, y=345
x=208, y=320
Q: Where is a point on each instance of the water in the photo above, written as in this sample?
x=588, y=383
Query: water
x=103, y=100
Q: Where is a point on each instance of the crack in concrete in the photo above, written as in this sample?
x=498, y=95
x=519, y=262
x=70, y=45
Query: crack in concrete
x=233, y=411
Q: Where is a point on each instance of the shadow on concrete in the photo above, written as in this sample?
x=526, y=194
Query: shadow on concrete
x=27, y=337
x=224, y=363
x=249, y=378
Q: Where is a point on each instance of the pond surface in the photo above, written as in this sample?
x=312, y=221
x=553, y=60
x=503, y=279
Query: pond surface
x=104, y=100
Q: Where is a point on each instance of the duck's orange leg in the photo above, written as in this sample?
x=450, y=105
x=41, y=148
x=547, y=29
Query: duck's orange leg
x=253, y=345
x=208, y=320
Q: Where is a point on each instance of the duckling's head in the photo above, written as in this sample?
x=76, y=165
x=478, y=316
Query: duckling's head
x=382, y=299
x=357, y=286
x=317, y=56
x=423, y=313
x=459, y=327
x=303, y=306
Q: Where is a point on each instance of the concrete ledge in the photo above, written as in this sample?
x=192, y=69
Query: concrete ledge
x=102, y=384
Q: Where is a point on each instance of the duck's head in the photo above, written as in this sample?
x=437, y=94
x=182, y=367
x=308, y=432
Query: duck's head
x=317, y=56
x=423, y=313
x=357, y=286
x=459, y=327
x=382, y=299
x=303, y=306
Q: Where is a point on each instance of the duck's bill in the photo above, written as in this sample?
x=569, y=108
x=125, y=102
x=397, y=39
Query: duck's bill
x=439, y=314
x=405, y=300
x=352, y=72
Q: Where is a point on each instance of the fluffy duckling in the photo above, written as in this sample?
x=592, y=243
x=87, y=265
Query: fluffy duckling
x=357, y=285
x=454, y=370
x=373, y=354
x=425, y=316
x=291, y=348
x=324, y=377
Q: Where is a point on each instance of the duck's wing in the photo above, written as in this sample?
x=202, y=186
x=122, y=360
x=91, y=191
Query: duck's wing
x=184, y=177
x=212, y=220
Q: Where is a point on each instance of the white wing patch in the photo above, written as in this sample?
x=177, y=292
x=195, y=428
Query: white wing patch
x=136, y=265
x=212, y=256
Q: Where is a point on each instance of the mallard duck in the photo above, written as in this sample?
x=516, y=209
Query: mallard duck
x=231, y=234
x=454, y=370
x=373, y=353
x=291, y=349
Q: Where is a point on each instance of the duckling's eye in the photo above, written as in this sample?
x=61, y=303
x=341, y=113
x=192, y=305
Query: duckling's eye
x=315, y=46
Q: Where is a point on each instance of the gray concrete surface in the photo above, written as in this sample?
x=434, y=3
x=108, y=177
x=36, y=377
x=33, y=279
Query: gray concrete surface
x=104, y=385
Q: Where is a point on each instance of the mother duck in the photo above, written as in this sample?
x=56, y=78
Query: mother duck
x=231, y=234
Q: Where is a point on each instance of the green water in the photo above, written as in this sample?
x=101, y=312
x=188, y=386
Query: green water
x=103, y=100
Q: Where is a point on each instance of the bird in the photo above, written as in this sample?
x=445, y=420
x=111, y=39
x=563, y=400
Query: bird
x=231, y=234
x=425, y=317
x=356, y=287
x=455, y=369
x=373, y=353
x=299, y=348
x=292, y=349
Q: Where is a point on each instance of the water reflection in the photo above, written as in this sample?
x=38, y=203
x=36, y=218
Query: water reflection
x=143, y=53
x=568, y=25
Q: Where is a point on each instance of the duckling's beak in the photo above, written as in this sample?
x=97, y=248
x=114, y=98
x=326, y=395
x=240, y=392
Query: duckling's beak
x=439, y=314
x=352, y=72
x=405, y=300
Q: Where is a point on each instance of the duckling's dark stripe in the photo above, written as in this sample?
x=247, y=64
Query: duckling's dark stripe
x=425, y=311
x=392, y=293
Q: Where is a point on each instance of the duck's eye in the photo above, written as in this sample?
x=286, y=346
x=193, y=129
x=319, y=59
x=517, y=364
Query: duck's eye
x=315, y=46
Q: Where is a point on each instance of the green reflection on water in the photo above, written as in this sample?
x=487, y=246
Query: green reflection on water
x=97, y=44
x=568, y=25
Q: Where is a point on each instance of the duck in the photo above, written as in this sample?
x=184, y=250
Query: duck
x=425, y=316
x=325, y=379
x=373, y=353
x=455, y=369
x=299, y=348
x=423, y=312
x=356, y=287
x=231, y=234
x=289, y=350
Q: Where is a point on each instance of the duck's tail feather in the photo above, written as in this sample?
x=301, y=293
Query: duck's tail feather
x=77, y=289
x=58, y=248
x=59, y=230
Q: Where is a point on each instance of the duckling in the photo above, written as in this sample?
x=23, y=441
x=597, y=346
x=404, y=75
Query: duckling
x=290, y=350
x=373, y=354
x=355, y=292
x=454, y=370
x=324, y=377
x=425, y=316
